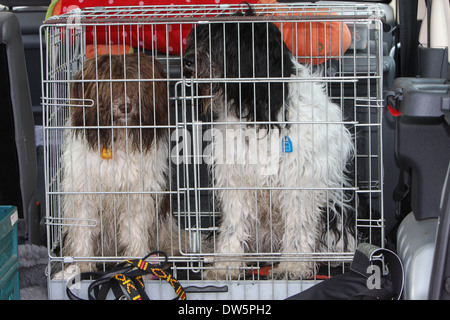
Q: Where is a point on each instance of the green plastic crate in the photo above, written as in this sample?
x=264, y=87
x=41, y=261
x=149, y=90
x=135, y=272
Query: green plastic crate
x=9, y=260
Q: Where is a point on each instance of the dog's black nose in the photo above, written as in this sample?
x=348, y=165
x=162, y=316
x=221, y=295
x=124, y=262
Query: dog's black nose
x=125, y=108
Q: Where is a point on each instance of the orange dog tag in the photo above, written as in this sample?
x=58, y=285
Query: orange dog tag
x=106, y=153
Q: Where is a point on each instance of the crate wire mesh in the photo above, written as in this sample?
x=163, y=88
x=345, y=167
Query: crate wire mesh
x=352, y=79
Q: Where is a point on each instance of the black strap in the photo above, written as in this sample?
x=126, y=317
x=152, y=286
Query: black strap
x=409, y=38
x=160, y=273
x=125, y=280
x=400, y=193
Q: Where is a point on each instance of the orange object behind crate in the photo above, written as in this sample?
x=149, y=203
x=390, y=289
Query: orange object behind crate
x=267, y=270
x=313, y=42
x=169, y=38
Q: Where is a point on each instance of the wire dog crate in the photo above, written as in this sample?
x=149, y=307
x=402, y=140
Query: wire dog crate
x=339, y=47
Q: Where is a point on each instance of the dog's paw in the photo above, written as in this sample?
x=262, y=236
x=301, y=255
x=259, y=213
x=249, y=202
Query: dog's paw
x=225, y=271
x=294, y=270
x=67, y=273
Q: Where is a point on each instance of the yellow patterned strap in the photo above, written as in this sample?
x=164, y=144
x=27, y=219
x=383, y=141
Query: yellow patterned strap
x=126, y=275
x=130, y=286
x=160, y=273
x=173, y=282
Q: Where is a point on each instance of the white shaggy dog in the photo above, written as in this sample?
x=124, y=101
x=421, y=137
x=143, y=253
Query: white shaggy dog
x=280, y=150
x=115, y=167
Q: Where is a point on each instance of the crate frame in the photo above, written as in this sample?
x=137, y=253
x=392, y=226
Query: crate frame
x=370, y=17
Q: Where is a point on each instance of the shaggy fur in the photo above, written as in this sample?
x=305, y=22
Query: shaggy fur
x=117, y=206
x=286, y=203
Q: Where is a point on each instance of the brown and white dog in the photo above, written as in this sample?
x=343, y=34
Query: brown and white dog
x=115, y=161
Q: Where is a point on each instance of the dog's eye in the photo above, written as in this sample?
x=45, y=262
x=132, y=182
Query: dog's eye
x=188, y=62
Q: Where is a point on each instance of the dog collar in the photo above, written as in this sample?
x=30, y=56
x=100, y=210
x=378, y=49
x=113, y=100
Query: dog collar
x=106, y=153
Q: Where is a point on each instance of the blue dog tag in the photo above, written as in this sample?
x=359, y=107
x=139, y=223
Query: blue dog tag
x=287, y=144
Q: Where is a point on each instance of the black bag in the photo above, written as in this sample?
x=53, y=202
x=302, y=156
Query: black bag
x=362, y=281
